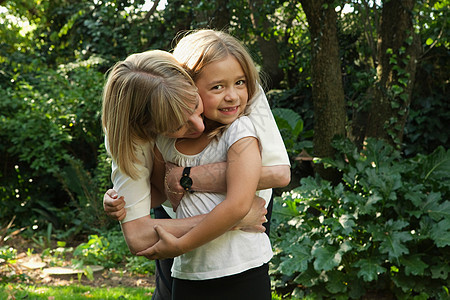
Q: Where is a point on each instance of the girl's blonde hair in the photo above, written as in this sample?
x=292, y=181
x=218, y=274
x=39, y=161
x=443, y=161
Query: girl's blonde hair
x=196, y=49
x=147, y=94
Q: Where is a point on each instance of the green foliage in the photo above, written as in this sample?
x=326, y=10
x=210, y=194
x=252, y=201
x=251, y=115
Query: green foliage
x=50, y=128
x=384, y=228
x=109, y=250
x=291, y=128
x=8, y=254
x=53, y=57
x=101, y=250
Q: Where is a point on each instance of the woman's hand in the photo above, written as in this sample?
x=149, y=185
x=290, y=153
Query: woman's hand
x=253, y=221
x=113, y=205
x=168, y=246
x=172, y=187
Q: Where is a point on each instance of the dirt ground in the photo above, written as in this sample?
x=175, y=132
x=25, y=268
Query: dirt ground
x=35, y=270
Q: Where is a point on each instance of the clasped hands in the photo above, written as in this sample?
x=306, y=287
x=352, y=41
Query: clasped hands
x=170, y=246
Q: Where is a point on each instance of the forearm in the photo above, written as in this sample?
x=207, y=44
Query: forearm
x=140, y=234
x=220, y=220
x=205, y=178
x=212, y=177
x=274, y=177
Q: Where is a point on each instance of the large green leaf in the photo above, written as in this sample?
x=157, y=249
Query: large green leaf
x=369, y=268
x=287, y=114
x=326, y=257
x=308, y=278
x=437, y=165
x=440, y=233
x=347, y=222
x=413, y=264
x=297, y=259
x=336, y=282
x=392, y=239
x=440, y=271
x=435, y=210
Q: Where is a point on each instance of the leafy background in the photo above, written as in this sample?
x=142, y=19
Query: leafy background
x=383, y=229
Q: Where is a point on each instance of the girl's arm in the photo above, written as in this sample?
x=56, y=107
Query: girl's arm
x=243, y=172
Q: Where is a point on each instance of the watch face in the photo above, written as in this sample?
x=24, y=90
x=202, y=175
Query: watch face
x=186, y=182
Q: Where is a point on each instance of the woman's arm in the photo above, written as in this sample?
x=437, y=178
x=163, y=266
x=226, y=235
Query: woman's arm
x=243, y=172
x=157, y=180
x=211, y=177
x=140, y=233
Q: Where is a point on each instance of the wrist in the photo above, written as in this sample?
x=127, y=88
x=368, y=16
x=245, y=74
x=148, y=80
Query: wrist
x=172, y=180
x=186, y=181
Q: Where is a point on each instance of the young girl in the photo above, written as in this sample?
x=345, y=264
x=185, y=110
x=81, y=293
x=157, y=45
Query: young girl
x=232, y=264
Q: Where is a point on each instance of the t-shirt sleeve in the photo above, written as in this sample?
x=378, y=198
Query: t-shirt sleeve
x=273, y=150
x=135, y=192
x=239, y=129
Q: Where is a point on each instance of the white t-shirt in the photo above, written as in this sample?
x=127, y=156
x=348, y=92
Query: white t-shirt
x=234, y=251
x=137, y=192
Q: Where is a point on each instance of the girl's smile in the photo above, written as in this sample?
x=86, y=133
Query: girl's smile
x=229, y=110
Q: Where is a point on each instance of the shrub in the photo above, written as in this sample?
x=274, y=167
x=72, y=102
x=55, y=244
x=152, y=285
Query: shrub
x=51, y=148
x=385, y=228
x=110, y=250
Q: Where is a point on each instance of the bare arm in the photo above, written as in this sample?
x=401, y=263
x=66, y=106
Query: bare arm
x=212, y=177
x=140, y=233
x=157, y=180
x=244, y=168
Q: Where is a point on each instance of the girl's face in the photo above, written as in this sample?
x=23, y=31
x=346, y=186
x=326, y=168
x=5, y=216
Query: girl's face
x=194, y=127
x=223, y=88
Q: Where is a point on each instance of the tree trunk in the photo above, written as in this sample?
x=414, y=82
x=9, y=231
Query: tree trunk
x=215, y=14
x=267, y=43
x=327, y=87
x=397, y=51
x=221, y=17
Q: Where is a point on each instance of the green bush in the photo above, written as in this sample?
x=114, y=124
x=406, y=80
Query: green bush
x=110, y=250
x=385, y=228
x=53, y=160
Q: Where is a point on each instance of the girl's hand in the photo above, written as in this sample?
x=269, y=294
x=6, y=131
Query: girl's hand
x=253, y=221
x=113, y=205
x=172, y=187
x=166, y=247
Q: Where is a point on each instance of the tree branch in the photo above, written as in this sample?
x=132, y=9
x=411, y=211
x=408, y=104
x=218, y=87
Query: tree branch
x=151, y=11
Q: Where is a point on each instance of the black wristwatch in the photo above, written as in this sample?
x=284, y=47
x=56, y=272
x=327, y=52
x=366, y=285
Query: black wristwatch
x=186, y=181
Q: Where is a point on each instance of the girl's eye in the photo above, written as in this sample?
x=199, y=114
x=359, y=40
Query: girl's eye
x=240, y=82
x=217, y=87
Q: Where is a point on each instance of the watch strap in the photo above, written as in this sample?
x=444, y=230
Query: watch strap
x=186, y=180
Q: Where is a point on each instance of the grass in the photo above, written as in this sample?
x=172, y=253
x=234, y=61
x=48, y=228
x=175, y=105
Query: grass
x=76, y=292
x=21, y=291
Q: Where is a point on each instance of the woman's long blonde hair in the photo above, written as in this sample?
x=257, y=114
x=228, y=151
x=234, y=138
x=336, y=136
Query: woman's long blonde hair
x=196, y=49
x=147, y=94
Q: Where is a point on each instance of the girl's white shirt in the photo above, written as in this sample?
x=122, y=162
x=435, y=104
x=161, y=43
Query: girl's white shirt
x=137, y=192
x=234, y=251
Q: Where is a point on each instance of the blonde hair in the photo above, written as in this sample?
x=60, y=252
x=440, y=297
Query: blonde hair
x=147, y=94
x=196, y=49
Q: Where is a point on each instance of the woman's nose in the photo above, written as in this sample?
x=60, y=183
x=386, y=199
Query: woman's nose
x=197, y=124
